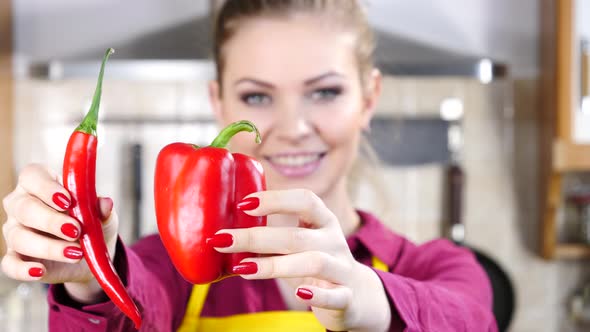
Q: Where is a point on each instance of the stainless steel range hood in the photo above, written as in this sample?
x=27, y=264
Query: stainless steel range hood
x=182, y=52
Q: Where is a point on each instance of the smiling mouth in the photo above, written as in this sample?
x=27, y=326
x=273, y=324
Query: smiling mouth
x=297, y=164
x=295, y=160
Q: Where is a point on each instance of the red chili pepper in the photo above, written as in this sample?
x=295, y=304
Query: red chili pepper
x=196, y=191
x=79, y=179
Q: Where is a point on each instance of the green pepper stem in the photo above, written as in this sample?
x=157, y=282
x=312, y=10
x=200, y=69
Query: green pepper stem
x=228, y=132
x=88, y=124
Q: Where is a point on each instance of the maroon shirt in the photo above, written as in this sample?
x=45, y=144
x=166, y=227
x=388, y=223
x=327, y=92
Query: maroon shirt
x=436, y=286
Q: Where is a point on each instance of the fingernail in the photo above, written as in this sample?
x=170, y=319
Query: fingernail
x=36, y=272
x=73, y=253
x=106, y=207
x=245, y=268
x=70, y=230
x=304, y=293
x=61, y=200
x=221, y=240
x=249, y=203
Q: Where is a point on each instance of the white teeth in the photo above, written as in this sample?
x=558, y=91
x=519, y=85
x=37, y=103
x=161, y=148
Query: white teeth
x=295, y=160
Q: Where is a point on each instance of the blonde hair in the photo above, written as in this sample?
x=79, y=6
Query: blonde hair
x=348, y=14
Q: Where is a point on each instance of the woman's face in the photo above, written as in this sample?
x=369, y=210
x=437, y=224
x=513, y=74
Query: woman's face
x=298, y=81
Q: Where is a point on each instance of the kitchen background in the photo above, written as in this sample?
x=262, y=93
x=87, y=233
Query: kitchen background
x=478, y=70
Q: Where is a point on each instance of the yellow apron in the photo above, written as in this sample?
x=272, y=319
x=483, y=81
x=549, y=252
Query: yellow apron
x=267, y=321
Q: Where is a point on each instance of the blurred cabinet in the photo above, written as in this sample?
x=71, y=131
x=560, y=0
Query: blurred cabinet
x=565, y=126
x=6, y=107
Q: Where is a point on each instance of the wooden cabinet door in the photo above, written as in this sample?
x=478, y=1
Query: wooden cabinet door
x=6, y=106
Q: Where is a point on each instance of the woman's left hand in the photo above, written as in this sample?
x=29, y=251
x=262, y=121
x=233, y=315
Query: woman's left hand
x=345, y=294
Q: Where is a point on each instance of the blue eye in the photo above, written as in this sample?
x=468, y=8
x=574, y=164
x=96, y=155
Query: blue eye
x=256, y=99
x=325, y=94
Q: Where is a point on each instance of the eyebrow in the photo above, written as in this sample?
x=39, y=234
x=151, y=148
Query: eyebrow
x=254, y=81
x=321, y=77
x=307, y=82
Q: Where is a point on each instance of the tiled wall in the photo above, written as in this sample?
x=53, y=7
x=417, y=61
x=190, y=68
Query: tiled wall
x=499, y=157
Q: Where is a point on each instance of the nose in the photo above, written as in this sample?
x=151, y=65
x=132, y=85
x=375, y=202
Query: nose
x=293, y=124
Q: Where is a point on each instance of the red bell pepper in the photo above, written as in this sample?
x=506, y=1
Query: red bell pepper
x=79, y=177
x=196, y=191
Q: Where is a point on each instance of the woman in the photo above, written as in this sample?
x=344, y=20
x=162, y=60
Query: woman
x=302, y=72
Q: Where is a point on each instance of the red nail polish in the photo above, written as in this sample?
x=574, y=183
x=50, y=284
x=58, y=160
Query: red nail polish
x=70, y=230
x=304, y=293
x=221, y=240
x=249, y=203
x=245, y=268
x=61, y=200
x=73, y=253
x=36, y=272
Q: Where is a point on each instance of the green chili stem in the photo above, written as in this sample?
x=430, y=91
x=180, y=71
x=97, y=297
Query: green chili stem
x=88, y=124
x=228, y=132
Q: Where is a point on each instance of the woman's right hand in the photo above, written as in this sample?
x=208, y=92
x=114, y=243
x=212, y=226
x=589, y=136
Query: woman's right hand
x=42, y=239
